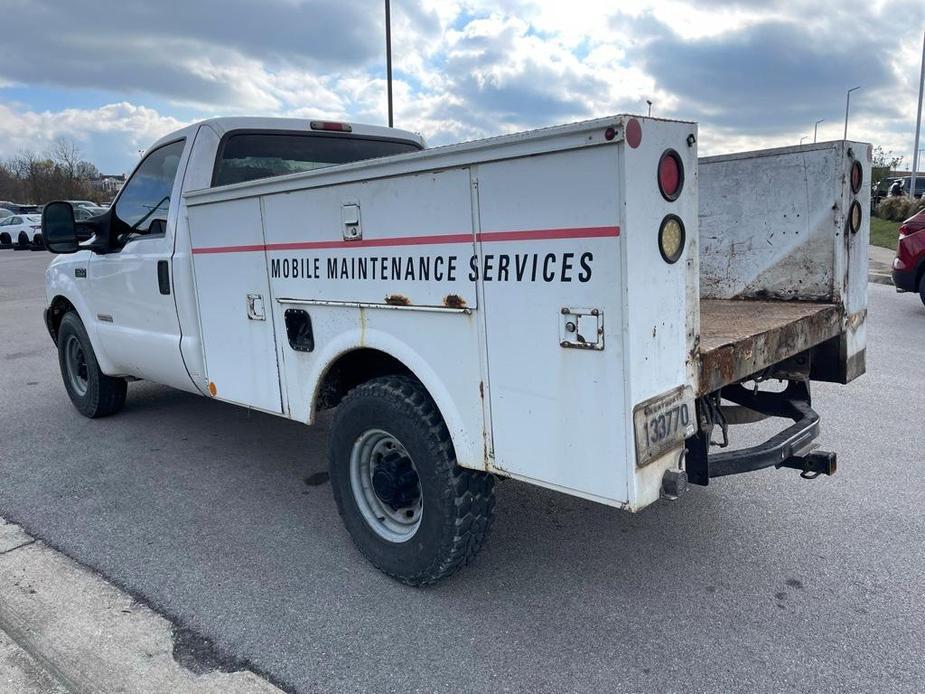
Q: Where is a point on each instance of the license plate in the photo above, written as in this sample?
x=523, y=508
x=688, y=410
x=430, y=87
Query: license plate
x=662, y=423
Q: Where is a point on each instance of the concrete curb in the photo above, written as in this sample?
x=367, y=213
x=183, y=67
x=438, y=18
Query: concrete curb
x=880, y=278
x=63, y=628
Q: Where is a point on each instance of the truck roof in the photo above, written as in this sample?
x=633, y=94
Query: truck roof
x=224, y=124
x=529, y=143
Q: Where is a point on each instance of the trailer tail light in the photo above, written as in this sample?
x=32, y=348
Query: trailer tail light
x=670, y=175
x=857, y=177
x=331, y=125
x=854, y=217
x=671, y=238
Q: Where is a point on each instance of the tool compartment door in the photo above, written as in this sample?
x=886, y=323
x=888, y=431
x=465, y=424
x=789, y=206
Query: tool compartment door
x=232, y=287
x=551, y=272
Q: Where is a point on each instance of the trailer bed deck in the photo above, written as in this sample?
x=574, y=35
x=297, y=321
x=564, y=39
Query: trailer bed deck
x=740, y=337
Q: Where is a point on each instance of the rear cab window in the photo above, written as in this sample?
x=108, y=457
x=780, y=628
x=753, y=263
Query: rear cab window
x=251, y=156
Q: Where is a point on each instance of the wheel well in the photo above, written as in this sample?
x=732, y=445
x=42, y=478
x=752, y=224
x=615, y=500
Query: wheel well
x=54, y=315
x=353, y=368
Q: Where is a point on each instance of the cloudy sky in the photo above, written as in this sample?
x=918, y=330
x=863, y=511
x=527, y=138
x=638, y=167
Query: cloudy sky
x=115, y=75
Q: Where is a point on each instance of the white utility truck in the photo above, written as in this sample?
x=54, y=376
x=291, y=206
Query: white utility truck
x=585, y=307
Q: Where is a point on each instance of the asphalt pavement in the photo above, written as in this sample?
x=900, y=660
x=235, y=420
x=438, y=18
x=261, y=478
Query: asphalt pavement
x=761, y=582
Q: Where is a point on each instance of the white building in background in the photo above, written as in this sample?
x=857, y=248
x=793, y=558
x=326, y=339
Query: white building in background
x=109, y=184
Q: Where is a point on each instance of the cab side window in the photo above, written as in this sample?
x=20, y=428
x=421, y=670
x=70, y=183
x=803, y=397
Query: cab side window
x=142, y=207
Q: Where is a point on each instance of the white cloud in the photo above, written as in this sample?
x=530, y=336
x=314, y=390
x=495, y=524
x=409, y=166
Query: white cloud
x=470, y=68
x=128, y=127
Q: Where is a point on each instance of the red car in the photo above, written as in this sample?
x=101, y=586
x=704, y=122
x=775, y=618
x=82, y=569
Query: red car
x=909, y=263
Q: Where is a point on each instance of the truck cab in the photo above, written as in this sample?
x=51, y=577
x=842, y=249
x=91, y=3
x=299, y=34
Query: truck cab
x=134, y=288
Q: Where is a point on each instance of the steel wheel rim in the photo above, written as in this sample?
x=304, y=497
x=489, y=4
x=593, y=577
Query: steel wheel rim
x=372, y=450
x=75, y=361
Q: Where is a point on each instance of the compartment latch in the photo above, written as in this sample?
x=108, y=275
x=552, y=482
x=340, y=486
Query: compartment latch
x=581, y=328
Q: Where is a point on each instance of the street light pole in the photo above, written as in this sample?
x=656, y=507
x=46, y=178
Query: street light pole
x=388, y=55
x=805, y=137
x=650, y=106
x=918, y=124
x=816, y=127
x=847, y=105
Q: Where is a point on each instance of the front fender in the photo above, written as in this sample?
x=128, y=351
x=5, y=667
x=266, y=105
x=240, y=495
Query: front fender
x=61, y=282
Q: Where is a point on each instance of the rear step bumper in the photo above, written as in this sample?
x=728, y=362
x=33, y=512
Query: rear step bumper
x=785, y=449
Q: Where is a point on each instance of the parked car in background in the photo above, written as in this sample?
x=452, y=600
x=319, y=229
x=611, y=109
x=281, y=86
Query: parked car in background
x=87, y=211
x=82, y=203
x=909, y=263
x=19, y=208
x=880, y=190
x=919, y=185
x=21, y=231
x=4, y=213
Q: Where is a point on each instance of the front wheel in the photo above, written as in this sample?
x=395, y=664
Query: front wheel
x=410, y=509
x=93, y=393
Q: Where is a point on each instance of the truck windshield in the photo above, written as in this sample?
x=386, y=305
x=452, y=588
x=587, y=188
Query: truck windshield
x=249, y=156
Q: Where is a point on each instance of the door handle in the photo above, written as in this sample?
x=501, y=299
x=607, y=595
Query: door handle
x=163, y=276
x=255, y=309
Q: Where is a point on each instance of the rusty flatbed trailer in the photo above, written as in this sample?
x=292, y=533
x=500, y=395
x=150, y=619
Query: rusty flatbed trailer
x=742, y=337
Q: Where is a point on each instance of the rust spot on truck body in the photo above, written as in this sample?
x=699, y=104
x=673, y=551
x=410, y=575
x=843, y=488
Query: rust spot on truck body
x=855, y=319
x=397, y=300
x=454, y=301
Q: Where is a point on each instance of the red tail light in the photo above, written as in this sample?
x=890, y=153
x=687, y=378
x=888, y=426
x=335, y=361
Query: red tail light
x=670, y=175
x=331, y=125
x=857, y=177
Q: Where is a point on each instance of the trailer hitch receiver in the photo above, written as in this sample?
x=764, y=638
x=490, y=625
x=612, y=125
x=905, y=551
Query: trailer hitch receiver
x=812, y=465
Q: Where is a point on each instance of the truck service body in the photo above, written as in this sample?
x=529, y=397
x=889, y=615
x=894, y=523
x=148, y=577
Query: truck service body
x=575, y=307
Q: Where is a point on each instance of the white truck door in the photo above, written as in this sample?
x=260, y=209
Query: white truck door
x=129, y=290
x=232, y=287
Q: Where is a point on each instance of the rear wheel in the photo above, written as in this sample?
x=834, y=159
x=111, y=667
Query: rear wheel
x=93, y=393
x=22, y=241
x=38, y=243
x=410, y=509
x=5, y=239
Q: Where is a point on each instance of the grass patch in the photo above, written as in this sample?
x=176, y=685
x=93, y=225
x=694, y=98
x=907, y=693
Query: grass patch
x=884, y=233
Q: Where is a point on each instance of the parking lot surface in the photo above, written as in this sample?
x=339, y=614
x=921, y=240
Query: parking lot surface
x=759, y=582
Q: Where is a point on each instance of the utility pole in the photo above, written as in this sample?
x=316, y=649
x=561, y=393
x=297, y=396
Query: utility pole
x=848, y=104
x=388, y=55
x=918, y=124
x=816, y=128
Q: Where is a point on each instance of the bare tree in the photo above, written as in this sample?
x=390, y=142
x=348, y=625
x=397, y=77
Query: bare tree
x=60, y=174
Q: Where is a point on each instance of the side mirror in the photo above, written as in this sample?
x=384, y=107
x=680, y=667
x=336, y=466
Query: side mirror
x=59, y=231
